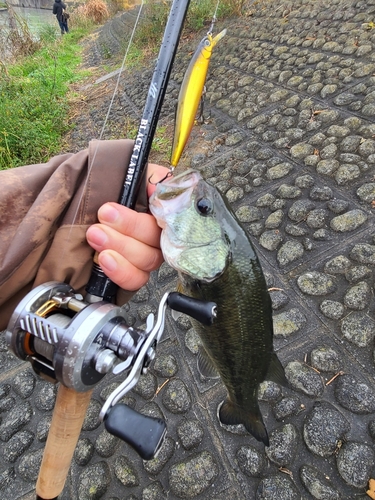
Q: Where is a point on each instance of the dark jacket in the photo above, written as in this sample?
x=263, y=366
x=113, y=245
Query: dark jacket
x=58, y=8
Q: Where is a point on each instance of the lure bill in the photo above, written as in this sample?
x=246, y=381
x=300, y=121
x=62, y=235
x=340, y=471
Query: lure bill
x=190, y=94
x=204, y=241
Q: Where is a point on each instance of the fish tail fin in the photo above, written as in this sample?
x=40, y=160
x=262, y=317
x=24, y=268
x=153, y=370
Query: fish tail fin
x=232, y=414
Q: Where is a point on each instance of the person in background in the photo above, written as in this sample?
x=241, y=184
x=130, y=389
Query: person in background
x=59, y=11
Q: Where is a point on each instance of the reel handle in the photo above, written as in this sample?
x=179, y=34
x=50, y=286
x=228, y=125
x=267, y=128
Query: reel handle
x=144, y=434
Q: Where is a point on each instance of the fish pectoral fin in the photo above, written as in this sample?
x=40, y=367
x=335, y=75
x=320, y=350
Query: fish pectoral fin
x=276, y=371
x=231, y=414
x=205, y=366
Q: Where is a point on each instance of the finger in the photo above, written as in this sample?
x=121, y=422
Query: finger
x=140, y=226
x=139, y=254
x=121, y=271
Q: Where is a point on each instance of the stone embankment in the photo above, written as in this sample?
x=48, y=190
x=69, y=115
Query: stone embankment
x=290, y=138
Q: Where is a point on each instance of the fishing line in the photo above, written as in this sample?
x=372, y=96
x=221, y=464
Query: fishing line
x=90, y=166
x=214, y=19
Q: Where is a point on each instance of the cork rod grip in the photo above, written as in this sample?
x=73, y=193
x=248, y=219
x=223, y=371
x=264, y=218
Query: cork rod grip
x=68, y=416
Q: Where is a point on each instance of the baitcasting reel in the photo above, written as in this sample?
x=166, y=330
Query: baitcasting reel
x=76, y=343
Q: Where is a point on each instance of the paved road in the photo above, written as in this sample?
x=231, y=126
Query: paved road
x=291, y=141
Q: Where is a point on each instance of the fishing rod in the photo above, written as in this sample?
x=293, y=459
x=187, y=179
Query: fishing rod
x=100, y=287
x=77, y=341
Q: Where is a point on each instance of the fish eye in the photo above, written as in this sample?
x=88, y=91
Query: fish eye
x=207, y=43
x=204, y=206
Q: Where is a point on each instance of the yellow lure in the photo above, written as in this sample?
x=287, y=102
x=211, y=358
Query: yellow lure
x=190, y=94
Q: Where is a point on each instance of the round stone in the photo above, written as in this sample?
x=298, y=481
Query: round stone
x=332, y=309
x=287, y=407
x=192, y=341
x=274, y=220
x=176, y=397
x=301, y=150
x=317, y=218
x=17, y=445
x=349, y=221
x=354, y=463
x=337, y=206
x=288, y=322
x=337, y=265
x=16, y=419
x=363, y=253
x=247, y=213
x=193, y=476
x=277, y=487
x=234, y=194
x=46, y=397
x=321, y=193
x=327, y=167
x=24, y=383
x=29, y=465
x=94, y=481
x=165, y=365
x=190, y=433
x=279, y=171
x=347, y=173
x=325, y=359
x=324, y=428
x=283, y=445
x=84, y=451
x=146, y=386
x=366, y=192
x=354, y=395
x=289, y=252
x=357, y=273
x=305, y=379
x=315, y=283
x=250, y=461
x=269, y=391
x=153, y=491
x=358, y=328
x=125, y=472
x=288, y=192
x=105, y=444
x=270, y=240
x=300, y=210
x=358, y=296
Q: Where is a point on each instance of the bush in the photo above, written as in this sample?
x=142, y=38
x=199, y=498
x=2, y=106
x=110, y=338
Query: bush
x=95, y=11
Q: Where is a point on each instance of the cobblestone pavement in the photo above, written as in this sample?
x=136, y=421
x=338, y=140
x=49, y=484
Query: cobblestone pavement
x=291, y=141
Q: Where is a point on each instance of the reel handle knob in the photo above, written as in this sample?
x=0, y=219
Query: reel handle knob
x=144, y=434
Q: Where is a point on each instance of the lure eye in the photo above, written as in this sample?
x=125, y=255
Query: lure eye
x=204, y=206
x=207, y=43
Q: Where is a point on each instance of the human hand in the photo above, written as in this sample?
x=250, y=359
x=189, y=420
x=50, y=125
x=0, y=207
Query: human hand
x=128, y=242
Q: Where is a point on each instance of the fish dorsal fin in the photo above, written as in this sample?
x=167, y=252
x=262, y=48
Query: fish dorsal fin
x=205, y=365
x=276, y=371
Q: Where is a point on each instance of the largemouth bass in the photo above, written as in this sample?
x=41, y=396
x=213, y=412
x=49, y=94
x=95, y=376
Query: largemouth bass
x=191, y=93
x=203, y=240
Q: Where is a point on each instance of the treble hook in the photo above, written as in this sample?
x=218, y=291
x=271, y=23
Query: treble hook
x=169, y=174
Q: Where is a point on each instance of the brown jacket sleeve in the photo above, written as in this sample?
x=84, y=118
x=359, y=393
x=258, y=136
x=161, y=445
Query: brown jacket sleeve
x=45, y=211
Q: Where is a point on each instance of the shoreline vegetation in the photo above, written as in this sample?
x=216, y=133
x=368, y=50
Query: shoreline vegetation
x=37, y=76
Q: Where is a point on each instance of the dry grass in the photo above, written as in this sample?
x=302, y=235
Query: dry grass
x=92, y=10
x=17, y=39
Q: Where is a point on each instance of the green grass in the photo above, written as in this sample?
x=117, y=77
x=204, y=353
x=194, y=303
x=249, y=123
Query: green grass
x=34, y=101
